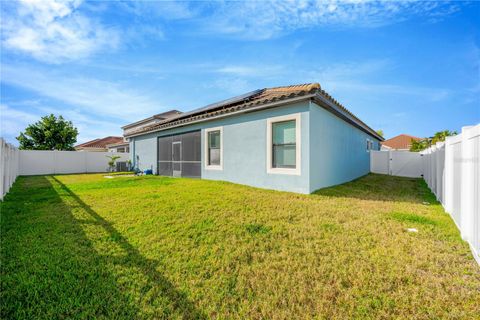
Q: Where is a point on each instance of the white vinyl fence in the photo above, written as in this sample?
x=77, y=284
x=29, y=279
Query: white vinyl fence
x=14, y=162
x=8, y=166
x=396, y=163
x=36, y=162
x=451, y=170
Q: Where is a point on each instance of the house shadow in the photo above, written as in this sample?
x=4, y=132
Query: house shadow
x=178, y=302
x=53, y=267
x=377, y=187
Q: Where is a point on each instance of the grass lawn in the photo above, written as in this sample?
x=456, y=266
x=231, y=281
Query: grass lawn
x=82, y=246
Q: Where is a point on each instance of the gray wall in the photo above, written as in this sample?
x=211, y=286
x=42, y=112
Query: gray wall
x=338, y=150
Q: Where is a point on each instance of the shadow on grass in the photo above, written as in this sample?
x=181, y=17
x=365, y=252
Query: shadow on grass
x=148, y=267
x=50, y=268
x=382, y=188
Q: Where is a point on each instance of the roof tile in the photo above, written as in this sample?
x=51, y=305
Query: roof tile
x=100, y=143
x=402, y=141
x=259, y=97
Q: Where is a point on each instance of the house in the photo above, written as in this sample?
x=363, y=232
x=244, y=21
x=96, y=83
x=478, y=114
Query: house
x=99, y=144
x=161, y=117
x=123, y=146
x=401, y=142
x=294, y=138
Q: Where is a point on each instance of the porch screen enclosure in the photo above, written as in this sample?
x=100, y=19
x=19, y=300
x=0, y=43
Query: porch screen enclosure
x=180, y=155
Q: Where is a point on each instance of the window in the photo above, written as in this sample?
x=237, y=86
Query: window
x=213, y=148
x=369, y=145
x=283, y=144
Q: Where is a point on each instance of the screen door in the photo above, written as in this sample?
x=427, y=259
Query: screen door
x=177, y=158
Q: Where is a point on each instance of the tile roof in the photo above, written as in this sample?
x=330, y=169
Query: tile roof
x=116, y=144
x=250, y=101
x=160, y=116
x=402, y=141
x=100, y=142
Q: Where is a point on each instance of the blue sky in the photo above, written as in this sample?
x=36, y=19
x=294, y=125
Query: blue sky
x=403, y=67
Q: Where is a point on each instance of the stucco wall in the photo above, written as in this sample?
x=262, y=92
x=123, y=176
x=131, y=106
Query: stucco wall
x=333, y=151
x=337, y=150
x=244, y=149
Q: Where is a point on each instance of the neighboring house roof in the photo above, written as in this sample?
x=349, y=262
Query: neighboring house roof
x=160, y=116
x=118, y=144
x=259, y=99
x=99, y=143
x=402, y=141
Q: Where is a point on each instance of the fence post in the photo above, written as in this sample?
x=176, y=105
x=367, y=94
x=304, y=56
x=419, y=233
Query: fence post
x=2, y=168
x=467, y=186
x=448, y=182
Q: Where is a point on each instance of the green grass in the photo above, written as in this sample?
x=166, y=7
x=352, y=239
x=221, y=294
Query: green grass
x=85, y=247
x=120, y=173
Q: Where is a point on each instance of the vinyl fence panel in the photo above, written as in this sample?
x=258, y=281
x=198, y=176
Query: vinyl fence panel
x=406, y=164
x=36, y=162
x=8, y=166
x=380, y=162
x=397, y=163
x=451, y=170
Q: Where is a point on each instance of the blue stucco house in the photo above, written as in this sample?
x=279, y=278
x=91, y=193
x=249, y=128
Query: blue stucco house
x=294, y=138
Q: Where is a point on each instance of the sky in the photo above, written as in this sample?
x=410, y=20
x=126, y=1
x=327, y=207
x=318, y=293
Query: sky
x=402, y=67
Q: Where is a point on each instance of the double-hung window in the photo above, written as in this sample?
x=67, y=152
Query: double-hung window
x=283, y=143
x=369, y=145
x=213, y=148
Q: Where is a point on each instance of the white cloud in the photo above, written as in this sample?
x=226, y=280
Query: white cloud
x=169, y=10
x=90, y=95
x=54, y=31
x=13, y=121
x=230, y=85
x=249, y=71
x=260, y=20
x=376, y=89
x=362, y=78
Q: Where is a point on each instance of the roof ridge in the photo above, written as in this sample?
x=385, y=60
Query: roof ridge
x=255, y=99
x=309, y=85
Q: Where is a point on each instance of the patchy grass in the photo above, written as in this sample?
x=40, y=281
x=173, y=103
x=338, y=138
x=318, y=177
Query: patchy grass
x=82, y=246
x=121, y=173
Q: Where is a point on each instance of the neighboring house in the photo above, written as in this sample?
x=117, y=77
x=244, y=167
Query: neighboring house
x=99, y=144
x=295, y=138
x=161, y=117
x=123, y=146
x=401, y=142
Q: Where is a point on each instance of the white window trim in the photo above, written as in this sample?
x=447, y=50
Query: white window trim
x=205, y=138
x=298, y=146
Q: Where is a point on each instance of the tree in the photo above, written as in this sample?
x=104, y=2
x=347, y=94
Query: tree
x=419, y=145
x=427, y=142
x=441, y=135
x=50, y=133
x=111, y=162
x=379, y=132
